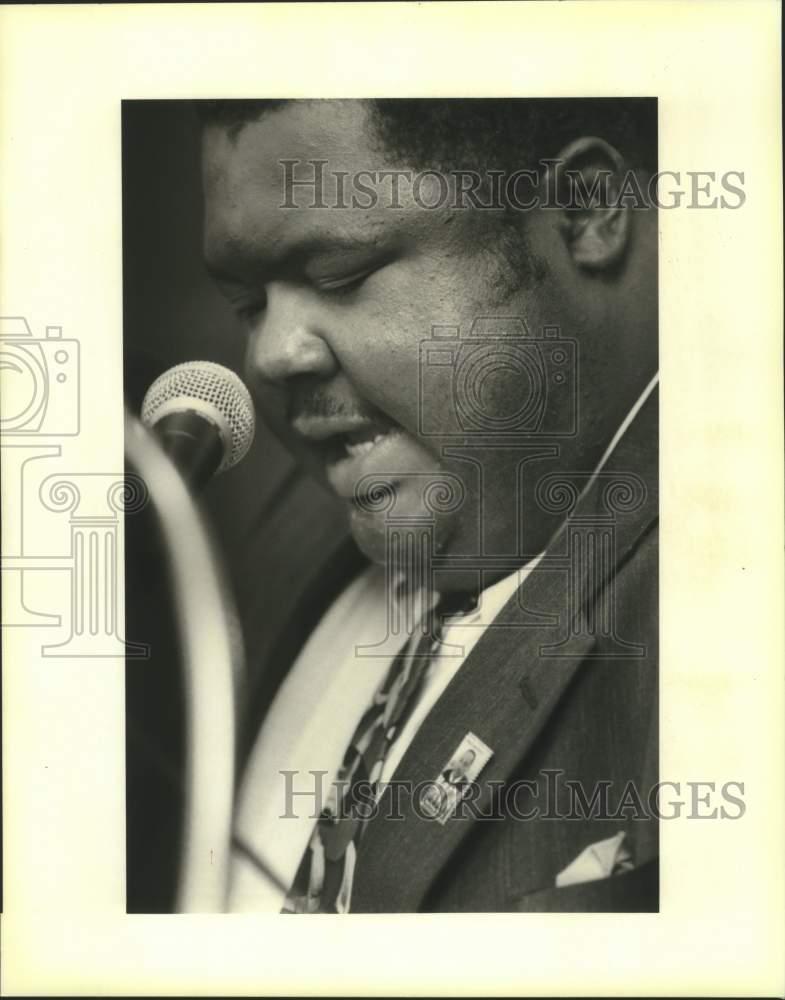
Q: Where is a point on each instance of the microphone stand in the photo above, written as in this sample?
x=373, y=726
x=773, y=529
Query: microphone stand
x=212, y=654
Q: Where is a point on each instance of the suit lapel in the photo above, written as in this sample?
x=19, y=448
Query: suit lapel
x=519, y=690
x=504, y=693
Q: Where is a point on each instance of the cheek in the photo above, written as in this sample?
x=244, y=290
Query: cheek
x=382, y=348
x=379, y=354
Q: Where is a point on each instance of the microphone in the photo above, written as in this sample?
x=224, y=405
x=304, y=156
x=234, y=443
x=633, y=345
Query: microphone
x=203, y=415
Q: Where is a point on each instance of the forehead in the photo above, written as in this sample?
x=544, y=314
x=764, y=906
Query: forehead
x=334, y=130
x=244, y=176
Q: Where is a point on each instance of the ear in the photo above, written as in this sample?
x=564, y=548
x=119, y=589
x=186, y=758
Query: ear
x=595, y=222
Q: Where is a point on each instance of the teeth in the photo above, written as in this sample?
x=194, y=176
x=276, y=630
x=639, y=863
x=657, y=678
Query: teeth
x=362, y=447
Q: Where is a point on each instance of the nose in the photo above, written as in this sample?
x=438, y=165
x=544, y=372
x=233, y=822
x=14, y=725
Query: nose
x=288, y=340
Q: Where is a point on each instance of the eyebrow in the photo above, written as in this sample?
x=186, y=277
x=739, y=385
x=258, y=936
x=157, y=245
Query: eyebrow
x=228, y=266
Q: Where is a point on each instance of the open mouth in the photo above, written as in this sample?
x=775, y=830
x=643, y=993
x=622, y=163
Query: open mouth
x=357, y=443
x=351, y=455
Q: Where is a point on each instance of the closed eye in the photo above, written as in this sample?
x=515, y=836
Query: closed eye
x=344, y=286
x=335, y=288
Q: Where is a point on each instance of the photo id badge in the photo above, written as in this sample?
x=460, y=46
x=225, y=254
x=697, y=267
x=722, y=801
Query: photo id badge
x=440, y=799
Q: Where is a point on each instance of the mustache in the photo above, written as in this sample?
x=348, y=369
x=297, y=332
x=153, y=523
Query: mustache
x=317, y=402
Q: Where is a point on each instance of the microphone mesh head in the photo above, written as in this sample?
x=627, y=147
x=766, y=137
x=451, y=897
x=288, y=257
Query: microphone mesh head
x=210, y=389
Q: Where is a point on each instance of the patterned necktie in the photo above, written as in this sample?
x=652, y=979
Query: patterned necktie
x=324, y=879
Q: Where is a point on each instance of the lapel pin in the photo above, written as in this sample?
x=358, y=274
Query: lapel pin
x=441, y=797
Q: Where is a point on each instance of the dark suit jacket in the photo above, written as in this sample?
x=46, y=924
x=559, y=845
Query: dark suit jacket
x=562, y=688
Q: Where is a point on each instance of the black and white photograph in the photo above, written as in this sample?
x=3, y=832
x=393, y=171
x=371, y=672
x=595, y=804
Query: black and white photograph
x=444, y=313
x=391, y=433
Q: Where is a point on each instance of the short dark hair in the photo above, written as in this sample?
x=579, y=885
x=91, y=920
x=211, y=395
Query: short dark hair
x=485, y=133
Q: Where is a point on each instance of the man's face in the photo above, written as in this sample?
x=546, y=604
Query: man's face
x=337, y=302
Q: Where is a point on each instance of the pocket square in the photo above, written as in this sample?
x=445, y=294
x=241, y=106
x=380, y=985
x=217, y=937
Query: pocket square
x=600, y=860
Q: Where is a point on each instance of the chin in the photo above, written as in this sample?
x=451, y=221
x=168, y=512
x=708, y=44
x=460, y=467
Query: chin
x=402, y=541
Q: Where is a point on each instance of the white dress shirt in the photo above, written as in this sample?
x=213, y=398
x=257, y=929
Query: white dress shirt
x=314, y=715
x=312, y=719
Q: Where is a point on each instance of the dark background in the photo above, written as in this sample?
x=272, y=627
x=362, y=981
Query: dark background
x=269, y=520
